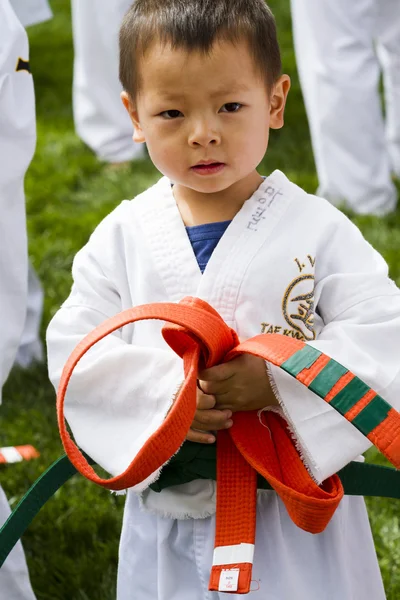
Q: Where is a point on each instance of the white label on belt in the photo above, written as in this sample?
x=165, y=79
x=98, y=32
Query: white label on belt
x=229, y=580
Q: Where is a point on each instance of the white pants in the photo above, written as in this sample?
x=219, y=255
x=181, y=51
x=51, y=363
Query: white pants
x=14, y=578
x=341, y=48
x=30, y=347
x=17, y=144
x=167, y=559
x=100, y=118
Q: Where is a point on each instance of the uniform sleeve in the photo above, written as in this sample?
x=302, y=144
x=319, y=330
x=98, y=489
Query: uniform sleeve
x=32, y=12
x=358, y=308
x=119, y=393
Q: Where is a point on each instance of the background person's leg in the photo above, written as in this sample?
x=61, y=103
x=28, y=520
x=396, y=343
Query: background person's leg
x=100, y=118
x=388, y=48
x=339, y=74
x=30, y=347
x=14, y=578
x=17, y=145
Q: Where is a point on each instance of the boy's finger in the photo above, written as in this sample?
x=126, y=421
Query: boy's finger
x=219, y=372
x=201, y=438
x=211, y=419
x=214, y=388
x=205, y=401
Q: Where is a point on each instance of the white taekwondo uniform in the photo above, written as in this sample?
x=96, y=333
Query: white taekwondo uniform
x=101, y=121
x=17, y=145
x=341, y=48
x=288, y=263
x=31, y=12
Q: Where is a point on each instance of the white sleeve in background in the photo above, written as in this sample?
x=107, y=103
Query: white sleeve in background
x=119, y=393
x=358, y=307
x=31, y=12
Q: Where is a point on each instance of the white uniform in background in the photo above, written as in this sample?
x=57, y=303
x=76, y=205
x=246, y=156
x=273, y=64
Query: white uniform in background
x=341, y=48
x=17, y=145
x=31, y=347
x=283, y=253
x=31, y=12
x=100, y=118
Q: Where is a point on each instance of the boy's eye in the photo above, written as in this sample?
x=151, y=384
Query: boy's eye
x=232, y=107
x=170, y=114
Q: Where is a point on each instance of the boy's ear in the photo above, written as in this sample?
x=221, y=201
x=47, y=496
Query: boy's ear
x=138, y=135
x=278, y=102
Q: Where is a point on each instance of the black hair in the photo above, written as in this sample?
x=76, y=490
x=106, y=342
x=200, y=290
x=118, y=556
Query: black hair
x=195, y=25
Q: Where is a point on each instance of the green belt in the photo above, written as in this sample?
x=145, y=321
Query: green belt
x=198, y=461
x=193, y=461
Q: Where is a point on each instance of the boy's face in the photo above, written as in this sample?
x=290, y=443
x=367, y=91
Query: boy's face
x=194, y=108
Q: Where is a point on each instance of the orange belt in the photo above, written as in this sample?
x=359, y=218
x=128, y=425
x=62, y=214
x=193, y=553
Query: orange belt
x=197, y=333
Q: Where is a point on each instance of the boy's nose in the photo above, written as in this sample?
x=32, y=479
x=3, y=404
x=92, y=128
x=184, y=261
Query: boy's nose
x=203, y=134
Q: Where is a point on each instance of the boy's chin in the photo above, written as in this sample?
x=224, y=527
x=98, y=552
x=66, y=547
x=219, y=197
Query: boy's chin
x=210, y=187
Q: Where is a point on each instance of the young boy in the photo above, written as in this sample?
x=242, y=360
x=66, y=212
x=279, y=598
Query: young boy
x=203, y=87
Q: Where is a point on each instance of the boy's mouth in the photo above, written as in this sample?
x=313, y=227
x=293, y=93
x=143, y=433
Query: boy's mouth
x=208, y=162
x=209, y=167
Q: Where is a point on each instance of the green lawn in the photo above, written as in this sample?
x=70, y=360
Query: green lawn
x=72, y=545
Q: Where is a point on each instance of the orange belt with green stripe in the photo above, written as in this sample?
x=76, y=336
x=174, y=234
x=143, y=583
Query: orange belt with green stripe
x=196, y=332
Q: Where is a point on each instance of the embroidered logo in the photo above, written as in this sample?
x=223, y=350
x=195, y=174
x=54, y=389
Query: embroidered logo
x=298, y=306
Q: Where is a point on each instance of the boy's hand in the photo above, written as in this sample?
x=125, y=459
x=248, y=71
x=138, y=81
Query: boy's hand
x=239, y=385
x=207, y=419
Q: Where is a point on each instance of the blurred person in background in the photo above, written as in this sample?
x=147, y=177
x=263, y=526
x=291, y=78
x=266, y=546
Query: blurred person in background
x=17, y=145
x=342, y=47
x=100, y=118
x=31, y=12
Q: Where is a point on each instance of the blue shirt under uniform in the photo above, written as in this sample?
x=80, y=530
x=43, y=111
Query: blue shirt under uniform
x=204, y=240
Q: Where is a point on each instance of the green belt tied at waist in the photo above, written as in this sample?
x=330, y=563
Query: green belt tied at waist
x=198, y=461
x=193, y=461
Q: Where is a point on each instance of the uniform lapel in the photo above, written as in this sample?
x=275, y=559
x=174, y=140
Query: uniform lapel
x=248, y=232
x=168, y=241
x=174, y=257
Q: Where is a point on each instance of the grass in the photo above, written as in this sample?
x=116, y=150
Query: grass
x=72, y=546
